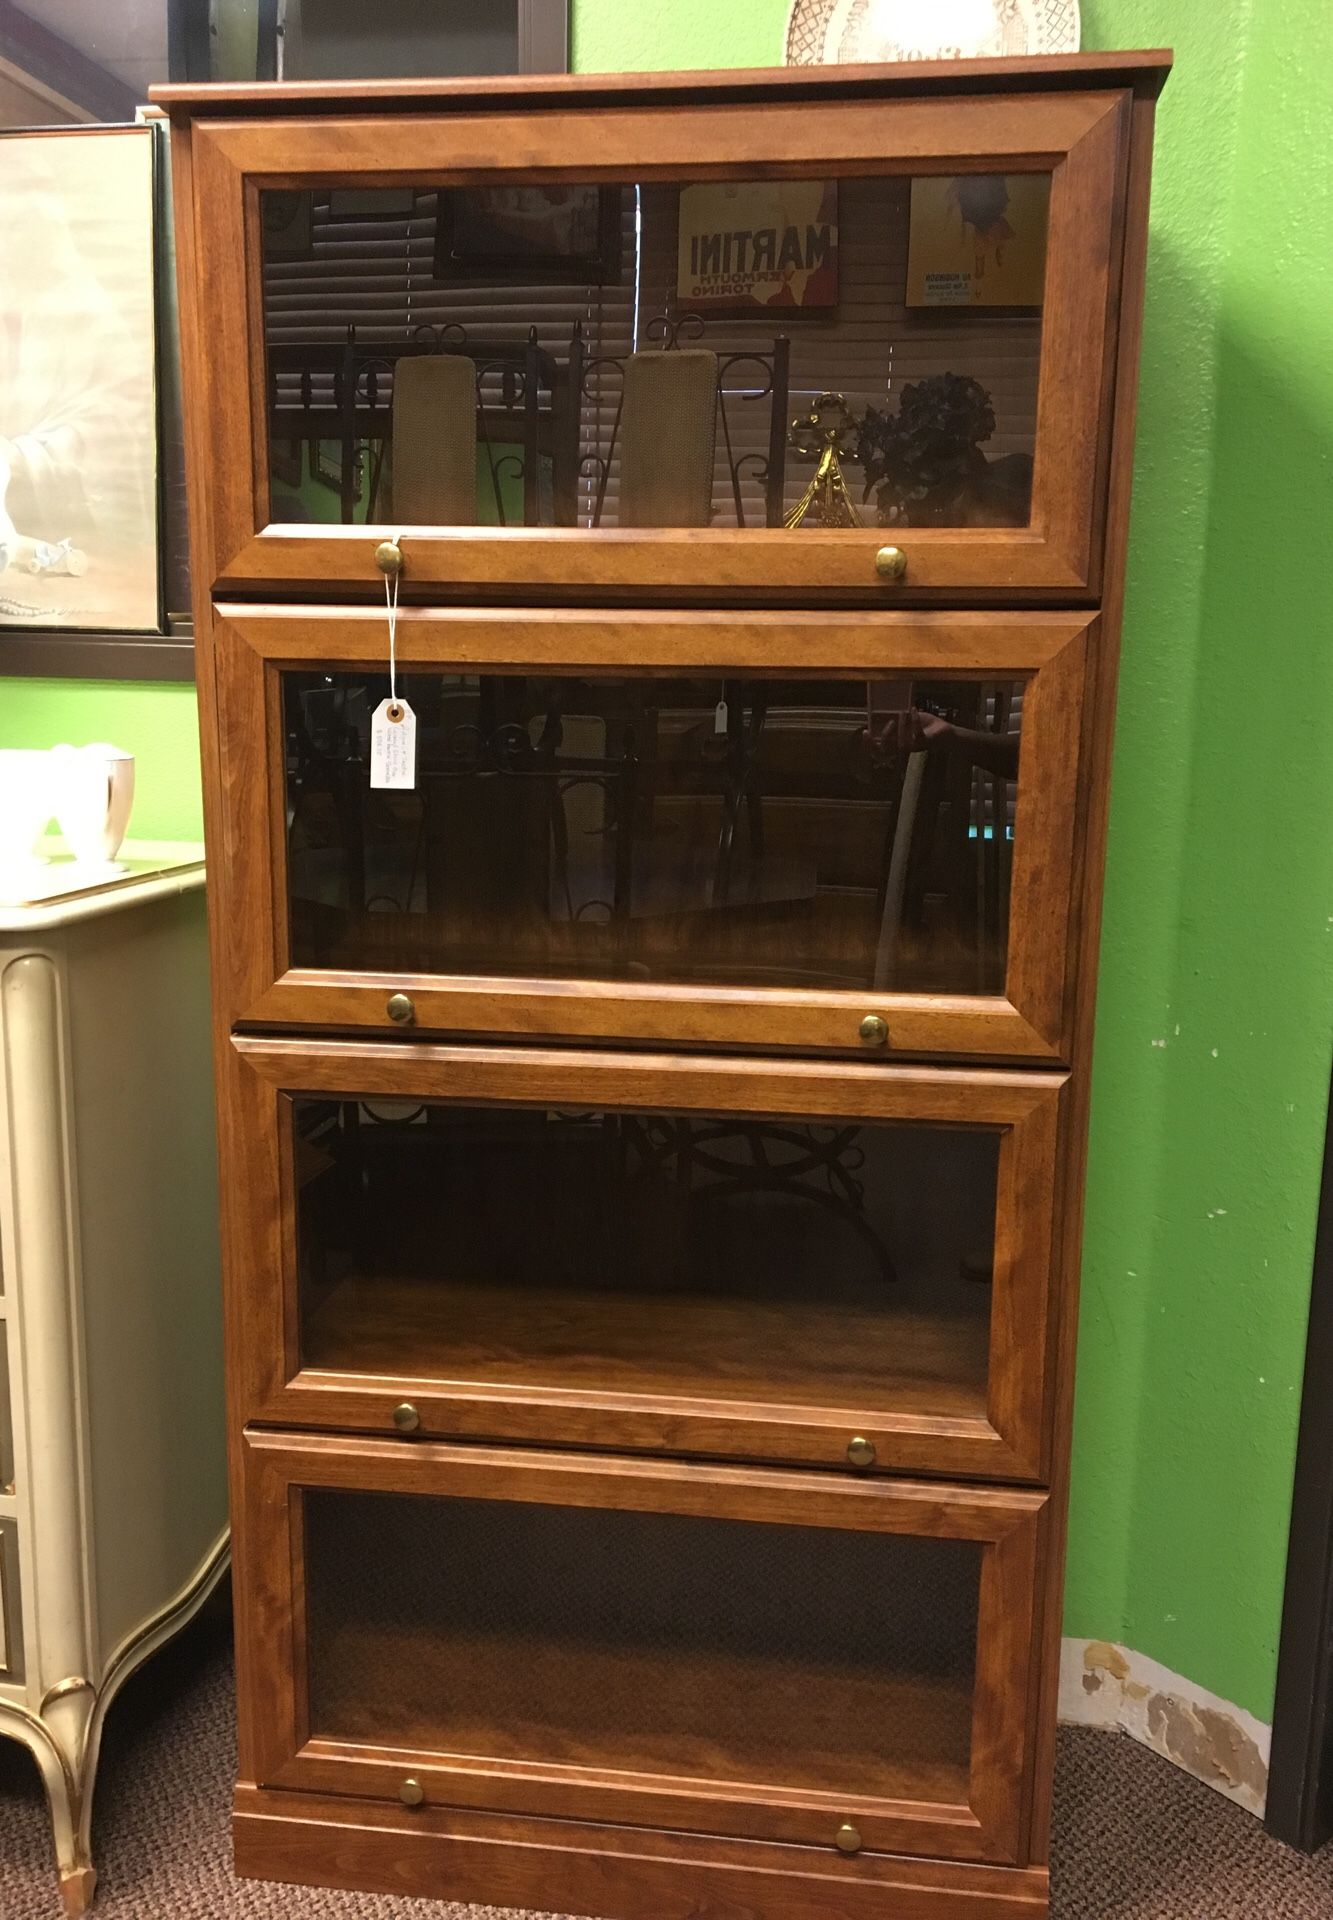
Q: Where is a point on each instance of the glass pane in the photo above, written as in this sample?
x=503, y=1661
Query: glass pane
x=718, y=1650
x=725, y=1257
x=842, y=833
x=729, y=353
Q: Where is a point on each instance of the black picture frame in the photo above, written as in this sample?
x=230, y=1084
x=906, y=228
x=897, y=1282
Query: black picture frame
x=477, y=239
x=166, y=651
x=168, y=655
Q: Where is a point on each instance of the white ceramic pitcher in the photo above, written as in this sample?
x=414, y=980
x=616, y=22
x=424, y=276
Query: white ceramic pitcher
x=93, y=791
x=25, y=808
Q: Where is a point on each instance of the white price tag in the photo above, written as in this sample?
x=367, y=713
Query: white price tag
x=393, y=745
x=720, y=717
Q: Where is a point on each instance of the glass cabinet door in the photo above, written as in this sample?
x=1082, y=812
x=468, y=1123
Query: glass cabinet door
x=694, y=365
x=555, y=1634
x=803, y=831
x=835, y=1267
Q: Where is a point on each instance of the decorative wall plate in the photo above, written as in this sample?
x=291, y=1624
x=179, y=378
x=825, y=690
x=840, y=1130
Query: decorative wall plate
x=842, y=32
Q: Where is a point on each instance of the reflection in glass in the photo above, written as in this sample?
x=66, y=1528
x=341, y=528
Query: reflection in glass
x=836, y=834
x=645, y=355
x=643, y=1643
x=819, y=1264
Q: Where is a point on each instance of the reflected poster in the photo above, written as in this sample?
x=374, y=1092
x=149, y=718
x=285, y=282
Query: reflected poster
x=78, y=398
x=758, y=243
x=978, y=240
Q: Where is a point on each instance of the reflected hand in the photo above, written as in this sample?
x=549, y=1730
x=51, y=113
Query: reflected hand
x=912, y=732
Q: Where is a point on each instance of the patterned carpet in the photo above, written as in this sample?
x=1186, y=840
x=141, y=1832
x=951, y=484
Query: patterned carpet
x=1137, y=1840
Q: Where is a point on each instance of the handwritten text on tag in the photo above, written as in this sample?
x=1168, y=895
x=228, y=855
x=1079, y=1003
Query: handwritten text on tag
x=393, y=745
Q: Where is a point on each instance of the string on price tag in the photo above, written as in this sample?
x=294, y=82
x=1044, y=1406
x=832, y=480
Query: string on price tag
x=393, y=726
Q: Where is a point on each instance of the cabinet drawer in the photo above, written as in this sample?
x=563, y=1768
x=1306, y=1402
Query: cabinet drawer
x=831, y=1263
x=698, y=830
x=774, y=1656
x=948, y=277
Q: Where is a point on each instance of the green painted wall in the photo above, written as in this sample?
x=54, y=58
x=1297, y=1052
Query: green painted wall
x=1216, y=1006
x=1216, y=1002
x=610, y=37
x=159, y=725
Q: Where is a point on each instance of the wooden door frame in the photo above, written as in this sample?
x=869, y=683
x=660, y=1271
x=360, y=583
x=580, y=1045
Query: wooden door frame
x=223, y=163
x=1008, y=1523
x=1300, y=1771
x=1054, y=654
x=1011, y=1441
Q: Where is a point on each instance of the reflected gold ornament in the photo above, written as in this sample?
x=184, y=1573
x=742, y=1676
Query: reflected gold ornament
x=827, y=436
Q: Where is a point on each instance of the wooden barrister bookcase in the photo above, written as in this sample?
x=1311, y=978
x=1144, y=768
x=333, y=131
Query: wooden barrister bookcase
x=653, y=1140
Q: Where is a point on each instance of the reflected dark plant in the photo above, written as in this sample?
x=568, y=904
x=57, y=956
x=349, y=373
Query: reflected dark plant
x=924, y=464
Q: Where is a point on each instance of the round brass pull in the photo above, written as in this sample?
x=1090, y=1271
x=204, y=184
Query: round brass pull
x=891, y=563
x=874, y=1030
x=848, y=1838
x=389, y=557
x=406, y=1418
x=861, y=1452
x=400, y=1008
x=412, y=1793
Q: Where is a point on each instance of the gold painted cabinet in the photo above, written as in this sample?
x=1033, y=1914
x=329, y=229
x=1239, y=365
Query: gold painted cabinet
x=113, y=1504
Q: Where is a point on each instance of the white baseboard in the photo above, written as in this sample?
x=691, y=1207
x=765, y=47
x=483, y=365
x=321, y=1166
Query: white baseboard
x=1103, y=1685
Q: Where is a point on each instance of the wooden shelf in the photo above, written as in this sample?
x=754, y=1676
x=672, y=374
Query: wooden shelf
x=402, y=1670
x=836, y=1350
x=603, y=1253
x=646, y=1644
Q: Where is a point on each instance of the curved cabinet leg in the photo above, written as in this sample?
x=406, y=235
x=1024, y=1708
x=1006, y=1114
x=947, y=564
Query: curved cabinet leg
x=77, y=1888
x=74, y=1720
x=77, y=1884
x=66, y=1737
x=60, y=1641
x=67, y=1779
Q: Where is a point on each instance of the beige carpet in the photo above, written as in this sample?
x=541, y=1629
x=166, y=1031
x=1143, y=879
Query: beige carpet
x=1136, y=1839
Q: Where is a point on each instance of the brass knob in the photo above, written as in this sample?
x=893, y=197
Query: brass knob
x=874, y=1030
x=891, y=563
x=848, y=1838
x=406, y=1418
x=412, y=1793
x=389, y=557
x=861, y=1452
x=400, y=1008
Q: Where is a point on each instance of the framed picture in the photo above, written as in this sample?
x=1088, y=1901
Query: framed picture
x=371, y=203
x=743, y=244
x=286, y=461
x=561, y=233
x=978, y=240
x=286, y=217
x=80, y=502
x=326, y=467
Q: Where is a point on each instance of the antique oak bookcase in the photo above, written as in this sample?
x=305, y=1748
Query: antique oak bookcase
x=652, y=1138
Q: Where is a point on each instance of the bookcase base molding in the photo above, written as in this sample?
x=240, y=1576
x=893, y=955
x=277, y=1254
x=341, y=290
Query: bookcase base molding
x=613, y=1873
